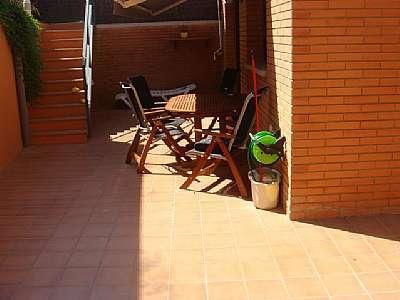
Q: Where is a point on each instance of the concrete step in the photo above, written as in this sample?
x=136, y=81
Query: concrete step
x=61, y=53
x=65, y=97
x=62, y=63
x=57, y=124
x=59, y=137
x=62, y=73
x=38, y=111
x=51, y=34
x=62, y=85
x=62, y=43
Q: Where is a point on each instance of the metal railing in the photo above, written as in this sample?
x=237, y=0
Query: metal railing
x=87, y=55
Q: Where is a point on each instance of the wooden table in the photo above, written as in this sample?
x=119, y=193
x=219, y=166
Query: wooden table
x=201, y=106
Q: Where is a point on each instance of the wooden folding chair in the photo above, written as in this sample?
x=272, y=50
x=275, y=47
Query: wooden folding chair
x=153, y=98
x=220, y=146
x=154, y=124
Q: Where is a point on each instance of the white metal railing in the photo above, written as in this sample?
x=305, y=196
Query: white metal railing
x=87, y=56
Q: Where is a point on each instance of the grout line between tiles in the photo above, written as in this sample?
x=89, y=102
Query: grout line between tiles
x=311, y=261
x=246, y=288
x=171, y=237
x=349, y=264
x=203, y=245
x=275, y=261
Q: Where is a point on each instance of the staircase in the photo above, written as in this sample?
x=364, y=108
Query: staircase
x=58, y=114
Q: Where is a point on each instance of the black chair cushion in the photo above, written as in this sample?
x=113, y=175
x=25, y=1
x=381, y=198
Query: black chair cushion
x=203, y=144
x=143, y=90
x=229, y=81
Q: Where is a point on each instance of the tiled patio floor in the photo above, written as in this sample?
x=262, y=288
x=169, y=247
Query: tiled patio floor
x=77, y=223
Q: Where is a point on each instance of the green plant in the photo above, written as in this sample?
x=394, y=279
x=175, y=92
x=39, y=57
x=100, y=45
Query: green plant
x=22, y=32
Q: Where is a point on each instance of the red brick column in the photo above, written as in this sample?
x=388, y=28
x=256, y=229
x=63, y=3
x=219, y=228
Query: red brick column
x=346, y=108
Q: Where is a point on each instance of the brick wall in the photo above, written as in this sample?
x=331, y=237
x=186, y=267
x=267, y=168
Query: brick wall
x=150, y=49
x=230, y=36
x=275, y=110
x=346, y=108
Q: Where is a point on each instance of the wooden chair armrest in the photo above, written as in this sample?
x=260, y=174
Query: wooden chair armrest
x=213, y=133
x=154, y=113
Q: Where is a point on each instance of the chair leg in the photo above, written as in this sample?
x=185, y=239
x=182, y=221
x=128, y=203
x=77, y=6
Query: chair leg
x=212, y=124
x=171, y=142
x=146, y=149
x=200, y=164
x=133, y=148
x=234, y=169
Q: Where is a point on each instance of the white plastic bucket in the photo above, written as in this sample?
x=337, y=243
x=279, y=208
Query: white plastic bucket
x=265, y=188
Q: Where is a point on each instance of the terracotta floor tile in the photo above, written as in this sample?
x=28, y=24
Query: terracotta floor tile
x=353, y=246
x=91, y=243
x=225, y=271
x=122, y=243
x=115, y=293
x=117, y=276
x=120, y=259
x=181, y=272
x=98, y=230
x=69, y=230
x=305, y=287
x=155, y=242
x=68, y=293
x=78, y=277
x=62, y=244
x=33, y=293
x=384, y=246
x=312, y=233
x=153, y=274
x=187, y=256
x=125, y=229
x=321, y=248
x=30, y=245
x=210, y=216
x=342, y=284
x=24, y=261
x=215, y=205
x=221, y=255
x=190, y=229
x=352, y=297
x=187, y=242
x=288, y=251
x=367, y=263
x=219, y=240
x=217, y=227
x=86, y=259
x=227, y=291
x=43, y=277
x=153, y=291
x=11, y=277
x=380, y=282
x=194, y=291
x=52, y=259
x=328, y=265
x=392, y=260
x=271, y=289
x=7, y=291
x=386, y=296
x=296, y=267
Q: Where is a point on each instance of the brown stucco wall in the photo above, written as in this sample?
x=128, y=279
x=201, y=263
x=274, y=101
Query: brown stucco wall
x=10, y=134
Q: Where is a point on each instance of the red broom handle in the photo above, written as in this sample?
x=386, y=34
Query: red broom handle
x=254, y=71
